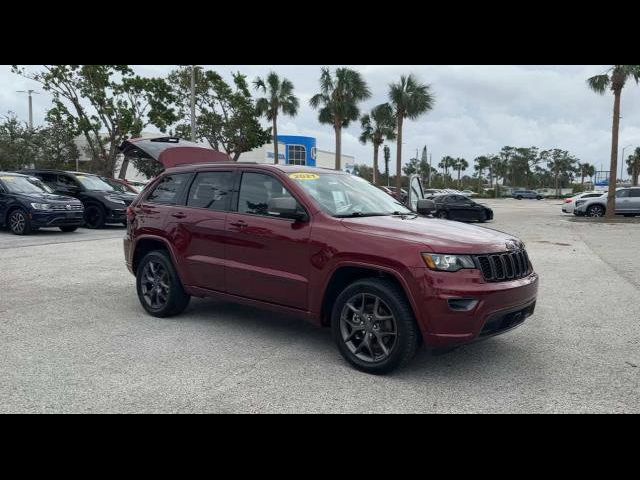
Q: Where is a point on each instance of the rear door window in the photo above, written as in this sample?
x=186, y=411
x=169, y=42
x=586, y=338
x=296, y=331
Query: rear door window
x=211, y=190
x=635, y=192
x=622, y=193
x=170, y=189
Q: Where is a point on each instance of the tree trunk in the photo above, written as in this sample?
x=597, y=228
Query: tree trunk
x=275, y=140
x=375, y=163
x=582, y=181
x=399, y=160
x=458, y=177
x=611, y=196
x=338, y=130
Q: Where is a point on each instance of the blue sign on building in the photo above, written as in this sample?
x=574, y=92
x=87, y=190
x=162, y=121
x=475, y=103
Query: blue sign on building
x=298, y=150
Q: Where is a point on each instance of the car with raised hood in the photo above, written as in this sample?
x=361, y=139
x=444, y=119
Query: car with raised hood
x=331, y=248
x=102, y=203
x=26, y=205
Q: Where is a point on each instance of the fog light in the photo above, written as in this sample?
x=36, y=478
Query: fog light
x=462, y=304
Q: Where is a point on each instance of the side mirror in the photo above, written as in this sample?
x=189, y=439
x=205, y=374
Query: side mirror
x=426, y=207
x=285, y=207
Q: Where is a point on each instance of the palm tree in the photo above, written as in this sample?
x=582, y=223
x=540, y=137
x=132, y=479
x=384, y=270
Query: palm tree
x=446, y=163
x=614, y=79
x=633, y=164
x=460, y=164
x=377, y=127
x=409, y=99
x=280, y=98
x=481, y=164
x=338, y=98
x=586, y=170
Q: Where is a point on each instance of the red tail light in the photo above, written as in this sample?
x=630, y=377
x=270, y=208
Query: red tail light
x=131, y=214
x=568, y=200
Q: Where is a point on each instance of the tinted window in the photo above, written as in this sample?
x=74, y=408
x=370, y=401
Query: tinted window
x=622, y=193
x=211, y=190
x=50, y=178
x=255, y=192
x=169, y=189
x=635, y=192
x=591, y=195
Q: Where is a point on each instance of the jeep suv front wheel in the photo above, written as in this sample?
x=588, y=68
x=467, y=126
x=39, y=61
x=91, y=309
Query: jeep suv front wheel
x=374, y=327
x=159, y=288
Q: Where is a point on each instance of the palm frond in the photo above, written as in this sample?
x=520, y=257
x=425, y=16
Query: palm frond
x=599, y=83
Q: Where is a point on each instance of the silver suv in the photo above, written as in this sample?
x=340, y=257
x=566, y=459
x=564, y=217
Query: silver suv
x=627, y=204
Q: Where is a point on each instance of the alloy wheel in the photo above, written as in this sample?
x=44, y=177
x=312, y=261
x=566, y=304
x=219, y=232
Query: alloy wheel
x=368, y=327
x=17, y=222
x=155, y=285
x=596, y=211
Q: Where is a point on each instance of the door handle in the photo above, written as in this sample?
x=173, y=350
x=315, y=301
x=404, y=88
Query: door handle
x=178, y=215
x=239, y=224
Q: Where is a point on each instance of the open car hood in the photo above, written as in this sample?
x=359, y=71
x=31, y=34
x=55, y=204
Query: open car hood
x=171, y=151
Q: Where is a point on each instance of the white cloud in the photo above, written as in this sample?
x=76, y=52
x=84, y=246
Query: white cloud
x=478, y=109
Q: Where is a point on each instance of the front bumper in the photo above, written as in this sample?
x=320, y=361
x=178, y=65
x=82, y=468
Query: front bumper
x=41, y=219
x=499, y=306
x=116, y=215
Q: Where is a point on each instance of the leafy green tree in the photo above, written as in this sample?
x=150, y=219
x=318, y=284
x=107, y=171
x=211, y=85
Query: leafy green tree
x=614, y=79
x=377, y=127
x=280, y=98
x=226, y=117
x=481, y=164
x=633, y=166
x=105, y=103
x=561, y=164
x=338, y=102
x=364, y=171
x=409, y=99
x=18, y=148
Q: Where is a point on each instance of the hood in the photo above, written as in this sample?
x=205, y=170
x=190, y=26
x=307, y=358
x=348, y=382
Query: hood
x=46, y=197
x=439, y=236
x=127, y=198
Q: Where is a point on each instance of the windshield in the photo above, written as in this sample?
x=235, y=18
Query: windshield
x=348, y=195
x=91, y=182
x=24, y=185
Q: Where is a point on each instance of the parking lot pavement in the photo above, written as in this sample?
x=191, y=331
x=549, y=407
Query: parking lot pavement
x=75, y=339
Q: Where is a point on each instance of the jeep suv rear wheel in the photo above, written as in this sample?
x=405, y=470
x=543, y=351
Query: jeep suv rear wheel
x=374, y=327
x=159, y=288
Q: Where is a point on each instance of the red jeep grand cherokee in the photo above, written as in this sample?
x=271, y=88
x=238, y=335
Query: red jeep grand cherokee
x=330, y=247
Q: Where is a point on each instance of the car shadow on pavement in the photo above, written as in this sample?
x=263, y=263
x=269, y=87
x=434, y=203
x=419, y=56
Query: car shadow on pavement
x=488, y=358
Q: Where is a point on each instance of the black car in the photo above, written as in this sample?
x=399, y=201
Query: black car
x=102, y=203
x=26, y=204
x=459, y=207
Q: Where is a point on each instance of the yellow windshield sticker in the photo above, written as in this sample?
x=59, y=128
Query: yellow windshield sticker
x=304, y=176
x=7, y=179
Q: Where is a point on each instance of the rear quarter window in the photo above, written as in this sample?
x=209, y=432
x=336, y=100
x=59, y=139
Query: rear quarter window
x=170, y=190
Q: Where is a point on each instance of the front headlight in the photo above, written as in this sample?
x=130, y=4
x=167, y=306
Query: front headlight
x=580, y=202
x=113, y=199
x=41, y=206
x=447, y=263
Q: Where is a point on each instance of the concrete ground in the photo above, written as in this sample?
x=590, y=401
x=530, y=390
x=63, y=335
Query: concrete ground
x=74, y=338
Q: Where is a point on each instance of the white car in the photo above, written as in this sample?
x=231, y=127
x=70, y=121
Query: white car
x=570, y=203
x=469, y=193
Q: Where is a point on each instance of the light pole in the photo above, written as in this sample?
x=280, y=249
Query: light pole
x=622, y=161
x=30, y=92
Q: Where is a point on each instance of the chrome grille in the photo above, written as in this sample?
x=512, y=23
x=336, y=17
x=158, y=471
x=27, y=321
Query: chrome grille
x=499, y=267
x=74, y=207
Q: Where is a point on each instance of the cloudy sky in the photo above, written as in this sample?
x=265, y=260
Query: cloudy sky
x=478, y=109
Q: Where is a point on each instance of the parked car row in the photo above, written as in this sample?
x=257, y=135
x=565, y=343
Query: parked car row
x=32, y=199
x=627, y=203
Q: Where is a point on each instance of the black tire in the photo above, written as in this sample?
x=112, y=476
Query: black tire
x=405, y=340
x=442, y=214
x=19, y=222
x=68, y=229
x=94, y=216
x=483, y=217
x=596, y=211
x=539, y=197
x=174, y=300
x=519, y=197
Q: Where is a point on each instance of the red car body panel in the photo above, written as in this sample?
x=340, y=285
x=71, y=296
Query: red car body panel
x=288, y=266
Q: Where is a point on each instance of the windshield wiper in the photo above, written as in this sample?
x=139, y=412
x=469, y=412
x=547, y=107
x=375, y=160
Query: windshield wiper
x=360, y=214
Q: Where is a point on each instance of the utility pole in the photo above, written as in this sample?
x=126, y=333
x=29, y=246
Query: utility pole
x=30, y=92
x=429, y=171
x=193, y=103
